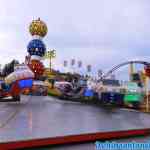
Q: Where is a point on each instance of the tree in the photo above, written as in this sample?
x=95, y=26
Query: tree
x=9, y=68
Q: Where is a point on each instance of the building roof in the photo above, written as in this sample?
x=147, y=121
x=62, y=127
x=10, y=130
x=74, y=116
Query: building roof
x=111, y=82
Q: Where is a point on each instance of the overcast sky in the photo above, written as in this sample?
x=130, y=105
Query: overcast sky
x=102, y=33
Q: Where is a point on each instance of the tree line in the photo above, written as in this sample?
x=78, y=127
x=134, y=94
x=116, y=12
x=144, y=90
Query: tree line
x=9, y=68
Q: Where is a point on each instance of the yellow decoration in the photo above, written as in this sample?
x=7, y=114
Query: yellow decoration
x=54, y=92
x=143, y=76
x=38, y=27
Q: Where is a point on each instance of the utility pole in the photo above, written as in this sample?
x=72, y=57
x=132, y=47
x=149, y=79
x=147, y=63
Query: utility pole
x=147, y=95
x=73, y=61
x=131, y=71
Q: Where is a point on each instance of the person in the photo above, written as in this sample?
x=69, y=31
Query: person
x=4, y=86
x=88, y=93
x=53, y=83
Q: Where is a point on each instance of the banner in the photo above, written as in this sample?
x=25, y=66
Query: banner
x=89, y=68
x=65, y=63
x=79, y=64
x=72, y=62
x=100, y=73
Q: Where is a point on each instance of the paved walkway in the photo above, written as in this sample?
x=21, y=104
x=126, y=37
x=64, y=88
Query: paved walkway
x=41, y=117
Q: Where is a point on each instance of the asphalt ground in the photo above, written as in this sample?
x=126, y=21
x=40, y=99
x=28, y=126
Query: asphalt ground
x=41, y=117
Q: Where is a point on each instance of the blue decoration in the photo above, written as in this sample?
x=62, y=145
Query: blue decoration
x=88, y=93
x=36, y=47
x=5, y=86
x=27, y=83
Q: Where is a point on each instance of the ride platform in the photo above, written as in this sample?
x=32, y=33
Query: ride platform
x=40, y=121
x=9, y=99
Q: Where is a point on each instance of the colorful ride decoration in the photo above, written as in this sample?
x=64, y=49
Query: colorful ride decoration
x=21, y=78
x=147, y=70
x=36, y=47
x=20, y=85
x=37, y=68
x=19, y=75
x=38, y=27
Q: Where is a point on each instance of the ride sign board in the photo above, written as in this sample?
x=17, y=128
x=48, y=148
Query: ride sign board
x=133, y=97
x=133, y=93
x=132, y=87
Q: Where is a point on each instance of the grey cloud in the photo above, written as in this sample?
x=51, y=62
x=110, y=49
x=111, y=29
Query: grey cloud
x=87, y=30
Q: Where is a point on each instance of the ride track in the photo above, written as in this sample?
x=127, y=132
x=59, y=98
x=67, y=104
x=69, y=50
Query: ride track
x=123, y=64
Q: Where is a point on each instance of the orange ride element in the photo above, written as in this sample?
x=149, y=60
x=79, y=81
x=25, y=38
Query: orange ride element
x=5, y=94
x=15, y=89
x=26, y=91
x=37, y=67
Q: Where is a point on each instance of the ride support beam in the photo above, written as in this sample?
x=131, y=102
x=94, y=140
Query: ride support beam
x=131, y=71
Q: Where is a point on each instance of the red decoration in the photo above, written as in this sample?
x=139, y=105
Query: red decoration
x=147, y=70
x=37, y=68
x=15, y=90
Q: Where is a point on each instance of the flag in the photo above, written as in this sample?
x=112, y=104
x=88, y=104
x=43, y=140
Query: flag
x=65, y=63
x=89, y=67
x=72, y=62
x=79, y=64
x=100, y=73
